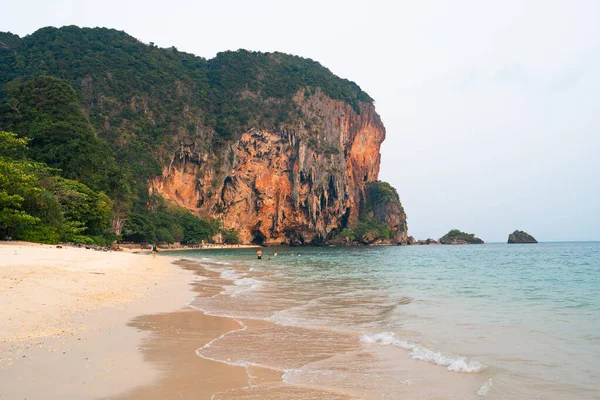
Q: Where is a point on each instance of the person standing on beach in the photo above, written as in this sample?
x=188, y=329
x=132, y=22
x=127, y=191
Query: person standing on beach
x=154, y=250
x=259, y=254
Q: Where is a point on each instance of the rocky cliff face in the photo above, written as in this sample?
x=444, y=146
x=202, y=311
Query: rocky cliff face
x=521, y=237
x=298, y=184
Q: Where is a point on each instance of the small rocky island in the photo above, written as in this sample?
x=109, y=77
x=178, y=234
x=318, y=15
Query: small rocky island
x=455, y=236
x=521, y=237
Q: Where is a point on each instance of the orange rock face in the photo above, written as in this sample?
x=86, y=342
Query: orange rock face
x=298, y=184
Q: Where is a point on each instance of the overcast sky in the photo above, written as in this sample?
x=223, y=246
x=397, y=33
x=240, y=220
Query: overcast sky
x=491, y=107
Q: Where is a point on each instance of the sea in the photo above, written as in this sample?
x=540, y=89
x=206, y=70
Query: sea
x=494, y=321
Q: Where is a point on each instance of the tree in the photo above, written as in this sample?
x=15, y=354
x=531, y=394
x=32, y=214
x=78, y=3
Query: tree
x=196, y=230
x=46, y=110
x=230, y=236
x=139, y=228
x=16, y=183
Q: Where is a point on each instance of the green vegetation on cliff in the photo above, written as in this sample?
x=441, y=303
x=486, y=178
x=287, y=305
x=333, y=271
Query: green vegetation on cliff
x=380, y=195
x=380, y=199
x=119, y=79
x=456, y=236
x=105, y=113
x=38, y=205
x=47, y=111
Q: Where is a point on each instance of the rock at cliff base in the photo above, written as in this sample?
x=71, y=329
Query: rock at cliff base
x=521, y=237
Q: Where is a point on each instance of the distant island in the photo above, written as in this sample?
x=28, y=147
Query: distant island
x=456, y=236
x=521, y=237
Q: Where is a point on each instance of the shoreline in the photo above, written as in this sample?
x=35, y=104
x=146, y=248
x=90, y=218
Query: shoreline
x=159, y=334
x=138, y=249
x=178, y=341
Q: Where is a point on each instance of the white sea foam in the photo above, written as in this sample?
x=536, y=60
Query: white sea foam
x=229, y=274
x=485, y=388
x=215, y=261
x=290, y=374
x=283, y=320
x=243, y=285
x=453, y=362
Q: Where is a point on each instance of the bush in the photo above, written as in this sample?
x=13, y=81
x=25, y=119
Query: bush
x=230, y=236
x=163, y=235
x=38, y=234
x=347, y=233
x=81, y=239
x=369, y=224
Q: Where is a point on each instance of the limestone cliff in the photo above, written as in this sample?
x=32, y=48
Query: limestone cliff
x=299, y=184
x=271, y=144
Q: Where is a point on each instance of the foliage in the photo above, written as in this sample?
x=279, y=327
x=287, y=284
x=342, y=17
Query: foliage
x=47, y=111
x=379, y=197
x=256, y=89
x=136, y=95
x=38, y=206
x=196, y=230
x=380, y=194
x=368, y=224
x=103, y=112
x=347, y=233
x=140, y=229
x=165, y=223
x=164, y=235
x=230, y=236
x=16, y=183
x=39, y=234
x=456, y=234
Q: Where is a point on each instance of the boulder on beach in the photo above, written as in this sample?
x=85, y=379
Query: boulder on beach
x=521, y=237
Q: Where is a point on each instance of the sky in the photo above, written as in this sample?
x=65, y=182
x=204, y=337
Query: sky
x=492, y=108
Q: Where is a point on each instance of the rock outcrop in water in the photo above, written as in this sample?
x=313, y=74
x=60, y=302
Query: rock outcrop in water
x=521, y=237
x=427, y=242
x=455, y=236
x=411, y=241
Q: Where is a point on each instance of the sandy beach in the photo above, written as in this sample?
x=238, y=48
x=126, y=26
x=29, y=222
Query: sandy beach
x=64, y=315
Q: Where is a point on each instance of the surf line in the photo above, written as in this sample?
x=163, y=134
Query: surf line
x=240, y=363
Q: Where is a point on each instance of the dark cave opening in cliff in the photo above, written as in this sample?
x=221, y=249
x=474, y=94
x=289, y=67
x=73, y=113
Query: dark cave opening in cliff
x=259, y=238
x=345, y=217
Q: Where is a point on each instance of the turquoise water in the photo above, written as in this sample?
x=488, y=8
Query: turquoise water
x=494, y=320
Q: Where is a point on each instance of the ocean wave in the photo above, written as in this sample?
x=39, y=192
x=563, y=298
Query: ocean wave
x=242, y=285
x=452, y=362
x=229, y=274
